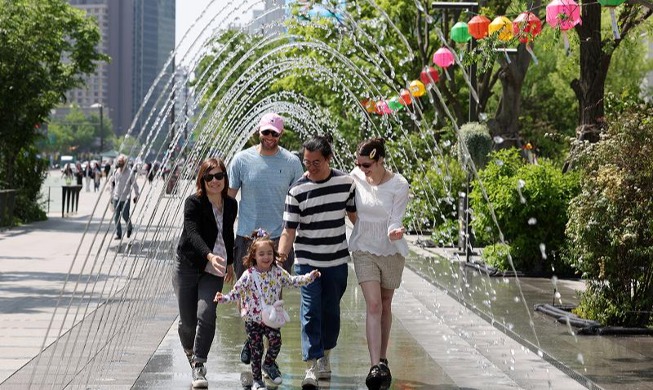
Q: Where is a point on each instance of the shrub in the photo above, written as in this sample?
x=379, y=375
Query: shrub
x=496, y=256
x=29, y=207
x=525, y=204
x=434, y=194
x=476, y=137
x=610, y=230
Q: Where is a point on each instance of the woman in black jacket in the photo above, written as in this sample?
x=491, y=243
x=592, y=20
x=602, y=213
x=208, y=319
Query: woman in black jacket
x=204, y=262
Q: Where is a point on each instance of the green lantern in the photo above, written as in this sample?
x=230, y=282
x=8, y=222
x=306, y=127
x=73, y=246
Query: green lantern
x=460, y=32
x=395, y=104
x=611, y=3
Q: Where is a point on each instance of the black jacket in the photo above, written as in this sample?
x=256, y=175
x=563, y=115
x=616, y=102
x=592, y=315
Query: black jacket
x=200, y=230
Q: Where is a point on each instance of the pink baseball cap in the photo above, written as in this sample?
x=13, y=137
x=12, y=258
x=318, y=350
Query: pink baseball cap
x=271, y=121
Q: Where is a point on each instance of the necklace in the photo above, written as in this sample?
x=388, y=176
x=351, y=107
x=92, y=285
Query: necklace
x=385, y=172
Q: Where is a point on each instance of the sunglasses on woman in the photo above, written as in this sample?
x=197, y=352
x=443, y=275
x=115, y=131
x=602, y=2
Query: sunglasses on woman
x=270, y=132
x=217, y=176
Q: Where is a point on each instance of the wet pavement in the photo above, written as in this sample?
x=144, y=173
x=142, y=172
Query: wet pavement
x=453, y=328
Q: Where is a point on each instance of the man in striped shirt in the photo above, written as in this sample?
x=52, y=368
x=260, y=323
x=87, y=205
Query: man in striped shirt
x=314, y=219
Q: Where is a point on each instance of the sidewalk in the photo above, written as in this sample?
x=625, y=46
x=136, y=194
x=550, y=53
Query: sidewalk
x=116, y=324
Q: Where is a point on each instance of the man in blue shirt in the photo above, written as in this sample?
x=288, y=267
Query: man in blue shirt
x=262, y=173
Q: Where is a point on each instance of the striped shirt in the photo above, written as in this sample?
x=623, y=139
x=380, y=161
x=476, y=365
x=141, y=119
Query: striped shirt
x=317, y=211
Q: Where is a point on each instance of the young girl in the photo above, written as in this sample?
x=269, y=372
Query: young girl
x=261, y=284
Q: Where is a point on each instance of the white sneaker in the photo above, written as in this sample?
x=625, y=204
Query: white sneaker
x=246, y=379
x=199, y=376
x=324, y=367
x=310, y=380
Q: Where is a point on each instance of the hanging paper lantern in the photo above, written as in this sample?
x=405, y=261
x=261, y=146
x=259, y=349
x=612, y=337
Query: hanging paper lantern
x=460, y=32
x=370, y=105
x=478, y=26
x=502, y=26
x=611, y=4
x=416, y=88
x=443, y=58
x=382, y=108
x=526, y=27
x=405, y=97
x=564, y=14
x=429, y=75
x=394, y=104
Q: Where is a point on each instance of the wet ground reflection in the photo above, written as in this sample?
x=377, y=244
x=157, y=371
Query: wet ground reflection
x=612, y=362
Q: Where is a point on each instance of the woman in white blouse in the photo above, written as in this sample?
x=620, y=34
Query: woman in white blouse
x=378, y=248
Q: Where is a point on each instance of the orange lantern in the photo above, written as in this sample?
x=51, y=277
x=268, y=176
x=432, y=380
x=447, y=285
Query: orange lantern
x=405, y=98
x=370, y=105
x=478, y=26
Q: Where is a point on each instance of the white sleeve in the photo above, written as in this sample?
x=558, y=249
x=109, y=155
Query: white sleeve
x=399, y=204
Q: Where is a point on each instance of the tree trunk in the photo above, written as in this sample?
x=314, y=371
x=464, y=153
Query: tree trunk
x=594, y=65
x=511, y=75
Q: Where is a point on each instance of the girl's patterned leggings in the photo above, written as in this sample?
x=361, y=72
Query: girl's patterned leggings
x=256, y=332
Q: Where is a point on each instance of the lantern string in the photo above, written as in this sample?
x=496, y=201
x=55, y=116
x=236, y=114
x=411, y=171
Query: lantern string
x=529, y=49
x=566, y=41
x=615, y=28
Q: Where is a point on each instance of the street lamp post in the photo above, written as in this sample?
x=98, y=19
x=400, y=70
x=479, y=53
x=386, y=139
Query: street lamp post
x=101, y=107
x=472, y=113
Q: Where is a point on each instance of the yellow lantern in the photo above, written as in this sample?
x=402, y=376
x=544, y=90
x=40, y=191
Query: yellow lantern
x=416, y=88
x=503, y=26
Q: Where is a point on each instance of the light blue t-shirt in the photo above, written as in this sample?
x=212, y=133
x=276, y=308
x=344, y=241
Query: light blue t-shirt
x=263, y=182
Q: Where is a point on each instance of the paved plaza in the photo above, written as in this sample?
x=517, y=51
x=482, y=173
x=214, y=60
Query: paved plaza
x=453, y=327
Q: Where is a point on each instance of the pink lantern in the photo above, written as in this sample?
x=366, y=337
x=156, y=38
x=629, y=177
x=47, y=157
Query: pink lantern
x=443, y=58
x=564, y=14
x=382, y=108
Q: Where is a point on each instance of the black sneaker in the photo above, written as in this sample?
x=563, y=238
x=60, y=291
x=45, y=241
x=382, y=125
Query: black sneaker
x=199, y=376
x=129, y=233
x=245, y=353
x=374, y=378
x=117, y=237
x=272, y=372
x=385, y=370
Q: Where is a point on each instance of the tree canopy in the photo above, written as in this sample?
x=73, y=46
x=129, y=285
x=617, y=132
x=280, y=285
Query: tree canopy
x=46, y=47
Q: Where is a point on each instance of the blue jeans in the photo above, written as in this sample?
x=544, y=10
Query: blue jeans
x=195, y=291
x=320, y=309
x=121, y=207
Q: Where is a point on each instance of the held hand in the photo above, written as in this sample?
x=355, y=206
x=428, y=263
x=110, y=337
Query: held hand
x=396, y=234
x=218, y=297
x=282, y=257
x=229, y=278
x=315, y=274
x=219, y=264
